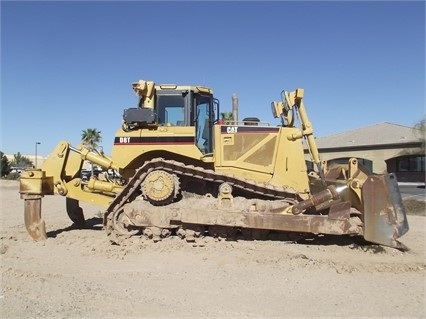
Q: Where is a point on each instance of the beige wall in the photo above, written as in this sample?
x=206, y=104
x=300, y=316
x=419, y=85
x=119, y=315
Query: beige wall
x=377, y=156
x=40, y=159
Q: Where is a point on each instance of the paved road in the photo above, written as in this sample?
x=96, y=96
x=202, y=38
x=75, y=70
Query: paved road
x=412, y=191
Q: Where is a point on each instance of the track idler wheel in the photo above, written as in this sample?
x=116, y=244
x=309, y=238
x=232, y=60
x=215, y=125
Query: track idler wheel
x=160, y=187
x=119, y=227
x=32, y=214
x=123, y=225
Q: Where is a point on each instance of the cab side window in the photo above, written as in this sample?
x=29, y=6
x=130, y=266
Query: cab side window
x=171, y=110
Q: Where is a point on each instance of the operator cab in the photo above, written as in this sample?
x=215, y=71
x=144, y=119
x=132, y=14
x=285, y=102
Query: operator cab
x=171, y=105
x=189, y=107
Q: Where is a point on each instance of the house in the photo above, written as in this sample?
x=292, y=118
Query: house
x=381, y=148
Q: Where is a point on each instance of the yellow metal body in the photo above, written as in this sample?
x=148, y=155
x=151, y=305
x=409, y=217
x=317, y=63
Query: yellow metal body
x=260, y=153
x=62, y=171
x=131, y=149
x=263, y=154
x=179, y=124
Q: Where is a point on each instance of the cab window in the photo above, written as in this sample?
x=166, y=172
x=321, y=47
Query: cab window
x=203, y=123
x=170, y=110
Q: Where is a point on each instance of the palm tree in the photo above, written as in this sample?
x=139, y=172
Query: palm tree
x=227, y=116
x=91, y=138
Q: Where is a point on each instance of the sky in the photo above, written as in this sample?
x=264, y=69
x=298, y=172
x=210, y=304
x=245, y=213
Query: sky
x=67, y=66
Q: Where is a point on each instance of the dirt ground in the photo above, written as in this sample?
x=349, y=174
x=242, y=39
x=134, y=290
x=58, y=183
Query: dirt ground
x=78, y=274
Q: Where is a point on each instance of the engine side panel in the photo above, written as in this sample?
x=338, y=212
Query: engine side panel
x=263, y=154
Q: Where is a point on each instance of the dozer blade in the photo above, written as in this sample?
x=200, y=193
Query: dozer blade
x=33, y=221
x=384, y=214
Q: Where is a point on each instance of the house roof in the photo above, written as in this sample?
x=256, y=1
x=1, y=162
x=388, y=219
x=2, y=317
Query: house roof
x=378, y=134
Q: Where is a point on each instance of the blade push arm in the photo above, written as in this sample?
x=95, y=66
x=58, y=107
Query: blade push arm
x=292, y=102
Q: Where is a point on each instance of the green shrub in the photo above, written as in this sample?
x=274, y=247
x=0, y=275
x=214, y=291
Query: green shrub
x=13, y=176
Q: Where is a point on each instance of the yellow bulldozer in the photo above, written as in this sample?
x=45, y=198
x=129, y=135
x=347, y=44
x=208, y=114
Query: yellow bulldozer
x=185, y=172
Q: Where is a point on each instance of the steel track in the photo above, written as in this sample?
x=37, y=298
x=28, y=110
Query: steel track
x=132, y=189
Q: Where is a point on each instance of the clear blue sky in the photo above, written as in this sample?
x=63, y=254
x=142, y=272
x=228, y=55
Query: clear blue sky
x=68, y=66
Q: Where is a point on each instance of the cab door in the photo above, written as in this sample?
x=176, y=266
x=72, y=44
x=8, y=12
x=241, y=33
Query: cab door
x=204, y=117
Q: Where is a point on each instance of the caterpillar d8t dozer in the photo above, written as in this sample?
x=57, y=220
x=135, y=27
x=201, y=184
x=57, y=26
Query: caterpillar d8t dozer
x=184, y=172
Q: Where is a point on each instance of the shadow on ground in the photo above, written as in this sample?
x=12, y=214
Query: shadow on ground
x=94, y=223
